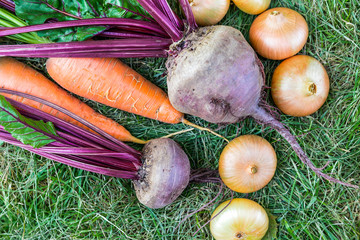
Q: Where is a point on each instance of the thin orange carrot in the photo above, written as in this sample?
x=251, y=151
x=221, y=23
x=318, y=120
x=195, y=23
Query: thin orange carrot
x=111, y=82
x=17, y=76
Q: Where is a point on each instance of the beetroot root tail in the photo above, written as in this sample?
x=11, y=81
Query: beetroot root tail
x=265, y=118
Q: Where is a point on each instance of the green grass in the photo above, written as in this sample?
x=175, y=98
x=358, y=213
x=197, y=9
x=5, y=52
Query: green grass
x=41, y=199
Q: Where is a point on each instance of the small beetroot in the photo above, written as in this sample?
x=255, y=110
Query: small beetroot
x=164, y=174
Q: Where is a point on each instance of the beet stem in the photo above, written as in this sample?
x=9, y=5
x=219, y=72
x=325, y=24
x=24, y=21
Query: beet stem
x=265, y=118
x=204, y=206
x=115, y=22
x=8, y=4
x=163, y=5
x=124, y=44
x=188, y=14
x=68, y=131
x=232, y=197
x=118, y=33
x=73, y=161
x=102, y=48
x=104, y=54
x=204, y=175
x=162, y=19
x=107, y=136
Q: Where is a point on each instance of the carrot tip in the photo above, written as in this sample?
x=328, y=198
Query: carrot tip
x=137, y=140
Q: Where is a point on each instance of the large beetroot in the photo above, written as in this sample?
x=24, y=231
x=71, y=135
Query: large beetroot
x=216, y=76
x=213, y=72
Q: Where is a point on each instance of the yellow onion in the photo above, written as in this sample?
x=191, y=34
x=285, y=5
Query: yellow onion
x=209, y=12
x=278, y=33
x=300, y=86
x=242, y=219
x=247, y=163
x=252, y=6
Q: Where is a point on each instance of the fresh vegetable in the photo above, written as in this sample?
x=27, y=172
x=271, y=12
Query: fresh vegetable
x=160, y=173
x=300, y=85
x=241, y=219
x=17, y=76
x=225, y=88
x=164, y=175
x=111, y=82
x=247, y=163
x=225, y=94
x=209, y=12
x=252, y=6
x=278, y=33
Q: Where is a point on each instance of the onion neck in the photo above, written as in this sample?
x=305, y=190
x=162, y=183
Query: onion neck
x=240, y=235
x=312, y=88
x=277, y=20
x=275, y=13
x=253, y=169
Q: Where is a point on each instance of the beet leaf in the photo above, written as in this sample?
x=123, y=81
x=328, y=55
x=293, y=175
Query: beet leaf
x=41, y=11
x=125, y=9
x=26, y=130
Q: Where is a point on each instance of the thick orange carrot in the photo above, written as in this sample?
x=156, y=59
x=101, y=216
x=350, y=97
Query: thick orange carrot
x=111, y=82
x=17, y=76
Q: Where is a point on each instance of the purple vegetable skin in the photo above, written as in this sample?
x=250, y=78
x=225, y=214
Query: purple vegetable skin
x=164, y=174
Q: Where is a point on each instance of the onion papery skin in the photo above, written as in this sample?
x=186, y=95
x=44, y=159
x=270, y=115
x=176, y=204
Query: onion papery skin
x=253, y=7
x=300, y=86
x=278, y=33
x=242, y=219
x=247, y=164
x=209, y=12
